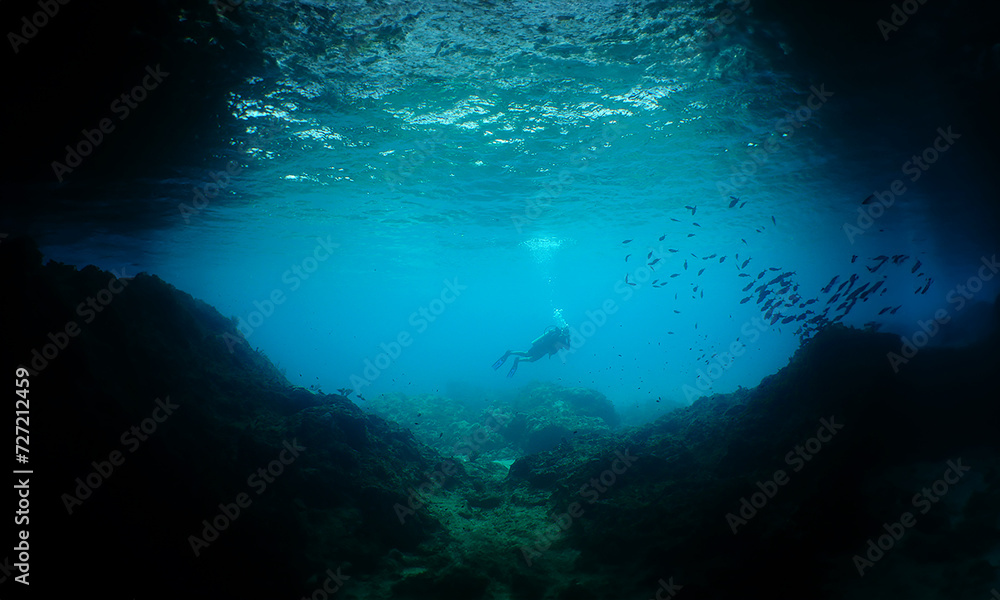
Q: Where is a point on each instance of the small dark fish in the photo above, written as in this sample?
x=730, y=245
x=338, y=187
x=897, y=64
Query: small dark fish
x=693, y=209
x=722, y=260
x=868, y=200
x=690, y=235
x=773, y=221
x=762, y=274
x=745, y=300
x=663, y=236
x=701, y=271
x=655, y=260
x=626, y=257
x=742, y=205
x=787, y=320
x=749, y=285
x=830, y=285
x=854, y=257
x=854, y=294
x=745, y=263
x=685, y=265
x=808, y=302
x=833, y=299
x=893, y=311
x=775, y=319
x=671, y=250
x=677, y=311
x=774, y=268
x=675, y=220
x=626, y=241
x=884, y=309
x=744, y=241
x=744, y=275
x=650, y=255
x=696, y=225
x=734, y=201
x=915, y=267
x=711, y=256
x=654, y=281
x=926, y=287
x=675, y=275
x=694, y=289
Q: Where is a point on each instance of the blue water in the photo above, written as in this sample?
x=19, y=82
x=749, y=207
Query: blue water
x=495, y=191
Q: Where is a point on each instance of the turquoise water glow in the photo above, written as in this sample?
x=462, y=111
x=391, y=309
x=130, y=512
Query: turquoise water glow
x=492, y=184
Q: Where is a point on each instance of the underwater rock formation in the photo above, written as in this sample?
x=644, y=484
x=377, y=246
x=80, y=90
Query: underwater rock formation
x=173, y=451
x=167, y=448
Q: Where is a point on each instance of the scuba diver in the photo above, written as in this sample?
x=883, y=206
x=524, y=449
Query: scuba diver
x=551, y=341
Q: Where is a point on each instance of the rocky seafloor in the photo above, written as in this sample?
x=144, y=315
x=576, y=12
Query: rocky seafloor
x=170, y=459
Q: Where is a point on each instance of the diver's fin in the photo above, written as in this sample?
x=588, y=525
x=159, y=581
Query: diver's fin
x=513, y=368
x=500, y=361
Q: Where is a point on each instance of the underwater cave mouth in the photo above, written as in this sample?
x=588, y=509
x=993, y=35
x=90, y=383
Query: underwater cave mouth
x=769, y=229
x=542, y=494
